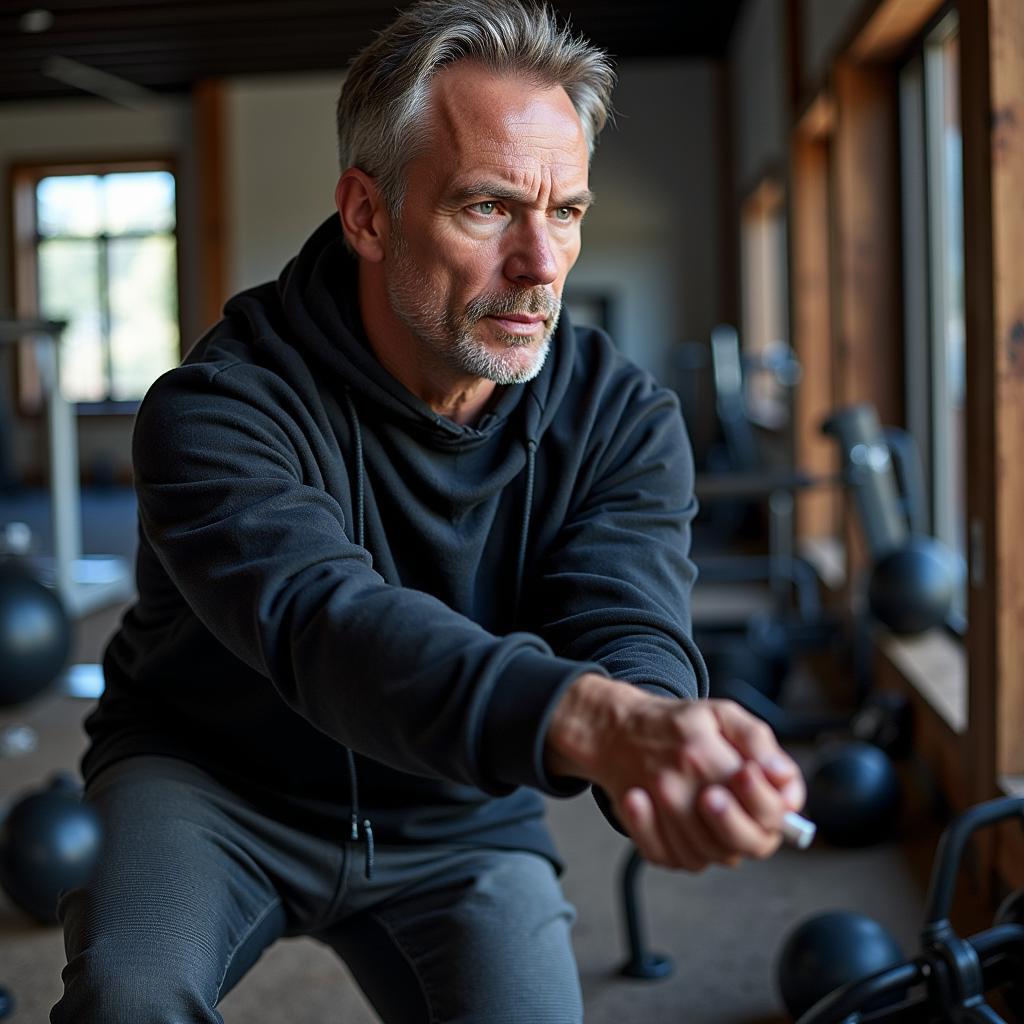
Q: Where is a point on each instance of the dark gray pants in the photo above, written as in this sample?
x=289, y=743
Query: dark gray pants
x=195, y=883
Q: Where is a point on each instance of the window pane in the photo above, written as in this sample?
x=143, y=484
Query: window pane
x=69, y=290
x=945, y=166
x=956, y=367
x=143, y=313
x=764, y=297
x=140, y=201
x=69, y=205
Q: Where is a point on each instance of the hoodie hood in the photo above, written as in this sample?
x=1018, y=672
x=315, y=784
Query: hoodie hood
x=452, y=468
x=317, y=291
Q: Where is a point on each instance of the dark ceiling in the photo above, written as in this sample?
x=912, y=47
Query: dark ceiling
x=168, y=46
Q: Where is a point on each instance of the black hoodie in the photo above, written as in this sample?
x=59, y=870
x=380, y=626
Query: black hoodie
x=325, y=563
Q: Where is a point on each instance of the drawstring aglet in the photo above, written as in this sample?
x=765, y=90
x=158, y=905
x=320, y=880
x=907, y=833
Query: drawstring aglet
x=368, y=832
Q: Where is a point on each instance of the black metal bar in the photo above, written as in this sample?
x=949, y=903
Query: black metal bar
x=950, y=851
x=847, y=1003
x=642, y=963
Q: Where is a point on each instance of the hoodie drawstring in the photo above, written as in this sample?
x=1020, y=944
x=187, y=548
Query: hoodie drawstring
x=524, y=533
x=361, y=541
x=357, y=434
x=367, y=826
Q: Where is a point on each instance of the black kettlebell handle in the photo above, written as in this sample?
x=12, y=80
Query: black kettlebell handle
x=950, y=852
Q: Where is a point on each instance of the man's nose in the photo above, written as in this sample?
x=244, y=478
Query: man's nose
x=531, y=259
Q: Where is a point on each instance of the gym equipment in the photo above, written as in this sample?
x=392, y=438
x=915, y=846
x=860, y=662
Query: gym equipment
x=911, y=588
x=642, y=964
x=646, y=965
x=50, y=841
x=1011, y=911
x=853, y=794
x=914, y=577
x=83, y=583
x=35, y=635
x=947, y=981
x=759, y=657
x=740, y=464
x=829, y=950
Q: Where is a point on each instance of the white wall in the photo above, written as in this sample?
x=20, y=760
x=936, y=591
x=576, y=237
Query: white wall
x=652, y=239
x=757, y=80
x=282, y=168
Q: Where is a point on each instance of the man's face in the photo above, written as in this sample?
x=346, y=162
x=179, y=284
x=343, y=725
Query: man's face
x=490, y=225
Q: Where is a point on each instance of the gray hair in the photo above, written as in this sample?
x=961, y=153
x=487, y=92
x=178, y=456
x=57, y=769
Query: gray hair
x=383, y=103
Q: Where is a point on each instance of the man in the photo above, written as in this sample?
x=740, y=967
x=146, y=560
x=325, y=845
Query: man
x=412, y=550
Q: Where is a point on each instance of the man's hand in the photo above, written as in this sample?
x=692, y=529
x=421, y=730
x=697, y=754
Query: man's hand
x=693, y=783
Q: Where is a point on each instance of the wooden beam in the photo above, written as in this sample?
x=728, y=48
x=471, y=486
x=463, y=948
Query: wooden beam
x=25, y=284
x=892, y=25
x=817, y=513
x=992, y=104
x=991, y=97
x=818, y=119
x=866, y=196
x=211, y=160
x=1006, y=34
x=866, y=276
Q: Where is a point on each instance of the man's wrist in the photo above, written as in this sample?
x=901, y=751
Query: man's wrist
x=591, y=711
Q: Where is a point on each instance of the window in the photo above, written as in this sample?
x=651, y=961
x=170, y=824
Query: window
x=932, y=172
x=765, y=314
x=98, y=250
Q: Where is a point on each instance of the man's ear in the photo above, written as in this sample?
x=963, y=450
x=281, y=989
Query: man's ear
x=364, y=217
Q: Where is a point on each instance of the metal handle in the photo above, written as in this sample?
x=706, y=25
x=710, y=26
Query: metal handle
x=950, y=852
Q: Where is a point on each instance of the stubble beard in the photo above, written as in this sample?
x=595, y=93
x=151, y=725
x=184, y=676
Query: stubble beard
x=449, y=334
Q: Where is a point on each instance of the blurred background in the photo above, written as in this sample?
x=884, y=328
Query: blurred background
x=808, y=224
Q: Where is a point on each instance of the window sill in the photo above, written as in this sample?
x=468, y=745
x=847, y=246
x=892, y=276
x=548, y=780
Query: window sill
x=935, y=664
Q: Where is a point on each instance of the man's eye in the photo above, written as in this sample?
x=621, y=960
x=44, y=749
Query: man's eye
x=563, y=213
x=487, y=207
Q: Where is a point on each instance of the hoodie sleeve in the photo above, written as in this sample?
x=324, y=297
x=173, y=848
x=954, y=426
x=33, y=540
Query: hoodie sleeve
x=264, y=559
x=615, y=586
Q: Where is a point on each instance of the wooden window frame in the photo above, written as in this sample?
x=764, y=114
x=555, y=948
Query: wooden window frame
x=24, y=179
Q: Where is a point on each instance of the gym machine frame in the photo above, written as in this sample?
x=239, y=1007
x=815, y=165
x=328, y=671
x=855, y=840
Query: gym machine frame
x=84, y=584
x=955, y=972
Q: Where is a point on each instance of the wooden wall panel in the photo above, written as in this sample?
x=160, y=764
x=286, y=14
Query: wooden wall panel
x=1006, y=35
x=992, y=101
x=992, y=39
x=208, y=99
x=816, y=511
x=866, y=253
x=889, y=28
x=866, y=197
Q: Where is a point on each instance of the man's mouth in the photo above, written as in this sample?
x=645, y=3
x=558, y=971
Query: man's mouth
x=519, y=323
